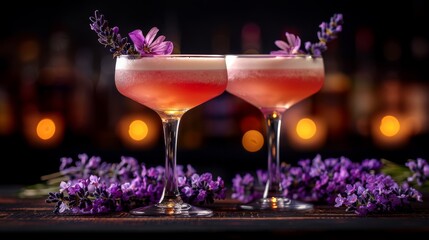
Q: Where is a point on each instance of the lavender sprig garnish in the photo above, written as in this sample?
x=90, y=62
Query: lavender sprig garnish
x=110, y=37
x=96, y=187
x=328, y=32
x=143, y=46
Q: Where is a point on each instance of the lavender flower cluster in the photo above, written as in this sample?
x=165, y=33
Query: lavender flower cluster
x=99, y=187
x=329, y=181
x=313, y=180
x=377, y=193
x=328, y=32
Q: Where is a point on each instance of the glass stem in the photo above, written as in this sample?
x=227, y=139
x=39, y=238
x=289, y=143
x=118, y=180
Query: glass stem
x=171, y=127
x=273, y=187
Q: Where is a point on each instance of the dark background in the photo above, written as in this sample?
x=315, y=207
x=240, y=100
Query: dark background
x=51, y=62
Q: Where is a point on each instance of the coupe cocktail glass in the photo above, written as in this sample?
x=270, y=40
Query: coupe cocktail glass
x=274, y=84
x=171, y=85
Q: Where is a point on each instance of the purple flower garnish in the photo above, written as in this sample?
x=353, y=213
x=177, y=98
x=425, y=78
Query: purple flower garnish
x=290, y=47
x=148, y=45
x=110, y=37
x=315, y=49
x=327, y=33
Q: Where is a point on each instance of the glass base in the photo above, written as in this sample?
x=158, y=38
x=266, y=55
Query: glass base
x=177, y=210
x=277, y=204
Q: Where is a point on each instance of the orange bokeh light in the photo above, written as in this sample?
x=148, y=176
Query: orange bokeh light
x=252, y=141
x=389, y=126
x=138, y=130
x=45, y=129
x=306, y=128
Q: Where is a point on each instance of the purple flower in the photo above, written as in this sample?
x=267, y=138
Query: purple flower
x=316, y=49
x=64, y=186
x=290, y=47
x=63, y=207
x=244, y=188
x=201, y=196
x=65, y=163
x=187, y=191
x=339, y=200
x=371, y=165
x=93, y=183
x=94, y=162
x=148, y=46
x=419, y=169
x=181, y=181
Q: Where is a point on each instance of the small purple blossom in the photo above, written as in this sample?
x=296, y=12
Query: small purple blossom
x=419, y=169
x=244, y=188
x=200, y=189
x=290, y=47
x=316, y=49
x=148, y=46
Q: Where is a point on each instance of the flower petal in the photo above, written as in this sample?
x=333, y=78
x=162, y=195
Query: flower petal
x=151, y=35
x=290, y=39
x=138, y=39
x=169, y=48
x=282, y=45
x=163, y=48
x=294, y=42
x=159, y=40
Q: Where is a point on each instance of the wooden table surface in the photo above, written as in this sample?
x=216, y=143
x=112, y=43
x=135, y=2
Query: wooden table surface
x=35, y=217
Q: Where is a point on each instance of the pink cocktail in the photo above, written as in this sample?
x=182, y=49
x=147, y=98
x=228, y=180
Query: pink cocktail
x=274, y=84
x=165, y=84
x=171, y=85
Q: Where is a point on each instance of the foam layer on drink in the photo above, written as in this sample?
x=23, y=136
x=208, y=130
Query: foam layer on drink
x=171, y=62
x=261, y=62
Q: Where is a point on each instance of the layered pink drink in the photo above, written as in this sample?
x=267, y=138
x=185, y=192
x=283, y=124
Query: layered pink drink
x=274, y=82
x=171, y=83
